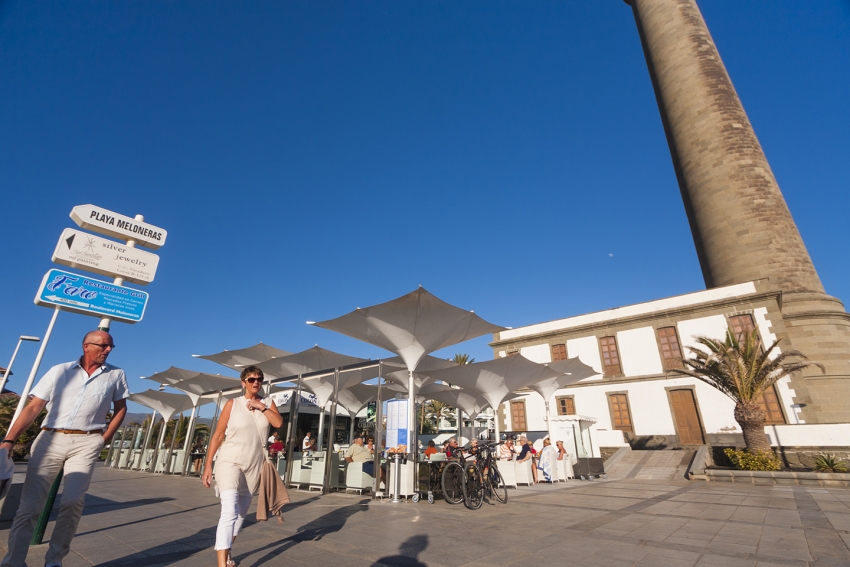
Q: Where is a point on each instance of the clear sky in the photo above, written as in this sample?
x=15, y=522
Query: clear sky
x=308, y=158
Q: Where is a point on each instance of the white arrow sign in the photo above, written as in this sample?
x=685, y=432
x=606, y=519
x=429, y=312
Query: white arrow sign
x=92, y=253
x=106, y=222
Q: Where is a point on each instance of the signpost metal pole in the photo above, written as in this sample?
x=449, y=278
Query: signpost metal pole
x=28, y=386
x=326, y=487
x=14, y=355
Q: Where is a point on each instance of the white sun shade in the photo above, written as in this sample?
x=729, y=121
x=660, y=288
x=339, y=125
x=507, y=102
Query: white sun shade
x=570, y=371
x=411, y=326
x=238, y=358
x=166, y=403
x=306, y=361
x=496, y=379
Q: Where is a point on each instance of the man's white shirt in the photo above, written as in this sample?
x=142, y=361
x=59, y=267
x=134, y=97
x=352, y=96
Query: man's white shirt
x=76, y=400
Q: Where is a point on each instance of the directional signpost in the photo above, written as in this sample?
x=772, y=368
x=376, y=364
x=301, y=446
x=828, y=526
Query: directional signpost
x=81, y=294
x=67, y=291
x=77, y=249
x=106, y=222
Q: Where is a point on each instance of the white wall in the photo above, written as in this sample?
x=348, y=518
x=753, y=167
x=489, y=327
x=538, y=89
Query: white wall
x=639, y=352
x=537, y=353
x=814, y=435
x=713, y=327
x=587, y=350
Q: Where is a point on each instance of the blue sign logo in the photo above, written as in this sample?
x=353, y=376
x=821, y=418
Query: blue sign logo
x=89, y=296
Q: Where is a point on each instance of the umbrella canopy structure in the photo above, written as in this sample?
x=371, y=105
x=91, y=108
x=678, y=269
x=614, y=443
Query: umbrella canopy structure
x=420, y=376
x=166, y=403
x=468, y=401
x=570, y=371
x=496, y=379
x=306, y=361
x=411, y=326
x=239, y=358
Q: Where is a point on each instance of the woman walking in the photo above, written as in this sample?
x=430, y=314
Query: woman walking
x=240, y=439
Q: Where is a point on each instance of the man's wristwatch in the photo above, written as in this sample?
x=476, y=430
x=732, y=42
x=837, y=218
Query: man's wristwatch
x=12, y=441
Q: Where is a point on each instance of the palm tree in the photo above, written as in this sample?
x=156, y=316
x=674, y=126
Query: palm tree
x=8, y=405
x=743, y=370
x=462, y=359
x=435, y=411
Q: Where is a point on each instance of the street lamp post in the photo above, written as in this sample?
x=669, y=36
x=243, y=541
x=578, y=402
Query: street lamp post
x=11, y=362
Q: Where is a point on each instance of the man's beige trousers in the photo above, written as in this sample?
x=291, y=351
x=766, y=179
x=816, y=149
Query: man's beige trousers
x=50, y=452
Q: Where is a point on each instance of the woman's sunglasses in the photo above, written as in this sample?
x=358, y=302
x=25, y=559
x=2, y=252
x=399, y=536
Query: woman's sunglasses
x=252, y=380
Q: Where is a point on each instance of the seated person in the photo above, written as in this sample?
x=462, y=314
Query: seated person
x=276, y=447
x=452, y=449
x=309, y=444
x=370, y=444
x=507, y=451
x=561, y=451
x=473, y=447
x=357, y=453
x=432, y=448
x=526, y=454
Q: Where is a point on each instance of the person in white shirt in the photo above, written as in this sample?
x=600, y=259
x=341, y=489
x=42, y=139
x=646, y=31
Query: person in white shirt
x=308, y=444
x=78, y=396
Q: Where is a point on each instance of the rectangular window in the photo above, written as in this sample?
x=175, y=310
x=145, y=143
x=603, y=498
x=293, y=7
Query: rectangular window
x=559, y=352
x=610, y=356
x=621, y=419
x=566, y=405
x=518, y=415
x=769, y=404
x=671, y=352
x=741, y=325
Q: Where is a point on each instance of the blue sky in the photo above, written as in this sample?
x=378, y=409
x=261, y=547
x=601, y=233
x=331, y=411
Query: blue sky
x=309, y=158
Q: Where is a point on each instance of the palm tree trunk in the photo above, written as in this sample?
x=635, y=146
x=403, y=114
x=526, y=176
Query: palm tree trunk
x=751, y=419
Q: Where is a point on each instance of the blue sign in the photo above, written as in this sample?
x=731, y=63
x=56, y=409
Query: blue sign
x=81, y=294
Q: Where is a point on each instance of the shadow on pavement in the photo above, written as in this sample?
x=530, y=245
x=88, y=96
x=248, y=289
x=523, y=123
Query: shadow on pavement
x=408, y=553
x=151, y=557
x=312, y=531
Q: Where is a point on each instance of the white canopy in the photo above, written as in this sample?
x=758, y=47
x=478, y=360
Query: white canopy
x=238, y=358
x=411, y=326
x=194, y=383
x=306, y=361
x=468, y=401
x=496, y=379
x=420, y=377
x=166, y=403
x=571, y=371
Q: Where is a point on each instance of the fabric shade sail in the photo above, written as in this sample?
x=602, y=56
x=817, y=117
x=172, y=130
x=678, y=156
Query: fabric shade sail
x=355, y=397
x=467, y=401
x=236, y=359
x=496, y=379
x=571, y=371
x=411, y=326
x=166, y=403
x=194, y=383
x=420, y=377
x=306, y=361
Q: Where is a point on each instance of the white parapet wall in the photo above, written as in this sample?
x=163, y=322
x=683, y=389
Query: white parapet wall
x=809, y=435
x=611, y=438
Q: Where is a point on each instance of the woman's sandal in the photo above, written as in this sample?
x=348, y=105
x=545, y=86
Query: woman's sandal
x=230, y=561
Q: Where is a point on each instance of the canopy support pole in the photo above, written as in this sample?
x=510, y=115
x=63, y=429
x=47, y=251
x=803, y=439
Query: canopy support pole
x=212, y=429
x=294, y=402
x=329, y=472
x=190, y=432
x=321, y=441
x=131, y=451
x=173, y=441
x=376, y=483
x=351, y=428
x=496, y=424
x=148, y=432
x=159, y=444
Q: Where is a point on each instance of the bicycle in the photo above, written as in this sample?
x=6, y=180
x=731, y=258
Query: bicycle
x=454, y=478
x=492, y=479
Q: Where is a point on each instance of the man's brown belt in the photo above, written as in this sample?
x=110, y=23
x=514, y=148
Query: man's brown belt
x=72, y=431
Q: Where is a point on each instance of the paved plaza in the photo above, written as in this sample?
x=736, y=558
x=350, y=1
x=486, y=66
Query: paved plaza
x=143, y=520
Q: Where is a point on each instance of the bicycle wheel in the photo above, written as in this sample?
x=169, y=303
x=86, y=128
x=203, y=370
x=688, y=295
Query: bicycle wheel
x=497, y=483
x=473, y=487
x=453, y=483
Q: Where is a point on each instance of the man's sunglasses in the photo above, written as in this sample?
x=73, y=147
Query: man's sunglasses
x=252, y=380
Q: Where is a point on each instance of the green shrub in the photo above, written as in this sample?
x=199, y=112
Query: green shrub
x=758, y=461
x=828, y=463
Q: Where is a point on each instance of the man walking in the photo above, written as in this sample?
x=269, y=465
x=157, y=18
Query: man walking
x=78, y=396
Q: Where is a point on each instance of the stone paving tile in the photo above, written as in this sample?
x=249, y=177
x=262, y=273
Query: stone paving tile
x=138, y=520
